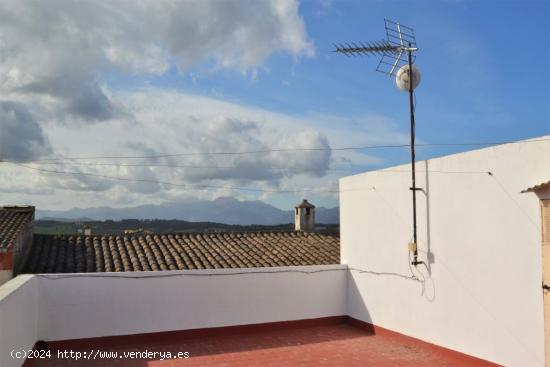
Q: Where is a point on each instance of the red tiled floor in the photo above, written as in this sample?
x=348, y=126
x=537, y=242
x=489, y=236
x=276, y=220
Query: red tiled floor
x=331, y=344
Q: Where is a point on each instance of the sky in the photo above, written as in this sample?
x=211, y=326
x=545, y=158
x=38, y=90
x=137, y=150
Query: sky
x=159, y=84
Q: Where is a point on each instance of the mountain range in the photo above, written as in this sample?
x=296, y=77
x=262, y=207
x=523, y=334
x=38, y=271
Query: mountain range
x=222, y=210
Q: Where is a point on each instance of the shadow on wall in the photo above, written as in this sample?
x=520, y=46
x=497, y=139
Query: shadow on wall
x=360, y=310
x=428, y=285
x=430, y=257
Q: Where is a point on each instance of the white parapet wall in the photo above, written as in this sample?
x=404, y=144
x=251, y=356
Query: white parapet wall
x=480, y=238
x=18, y=319
x=103, y=304
x=72, y=306
x=5, y=275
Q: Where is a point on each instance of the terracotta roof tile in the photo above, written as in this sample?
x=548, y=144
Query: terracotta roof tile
x=13, y=219
x=150, y=252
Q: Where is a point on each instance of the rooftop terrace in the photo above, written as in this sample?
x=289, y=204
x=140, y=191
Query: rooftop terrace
x=335, y=341
x=270, y=316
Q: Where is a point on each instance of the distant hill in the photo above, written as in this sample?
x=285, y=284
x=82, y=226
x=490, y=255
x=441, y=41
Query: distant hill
x=222, y=210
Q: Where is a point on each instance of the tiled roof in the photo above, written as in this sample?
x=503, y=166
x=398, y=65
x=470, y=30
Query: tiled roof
x=537, y=187
x=67, y=254
x=12, y=220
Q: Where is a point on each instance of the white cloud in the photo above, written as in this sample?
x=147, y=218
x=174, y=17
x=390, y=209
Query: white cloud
x=58, y=49
x=168, y=122
x=55, y=55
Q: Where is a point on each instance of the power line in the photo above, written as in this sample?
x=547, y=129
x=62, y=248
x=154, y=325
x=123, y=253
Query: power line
x=279, y=150
x=263, y=166
x=157, y=165
x=130, y=165
x=206, y=187
x=263, y=151
x=187, y=186
x=154, y=165
x=382, y=170
x=518, y=206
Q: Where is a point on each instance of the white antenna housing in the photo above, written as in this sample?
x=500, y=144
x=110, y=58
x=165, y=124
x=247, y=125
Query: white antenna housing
x=402, y=78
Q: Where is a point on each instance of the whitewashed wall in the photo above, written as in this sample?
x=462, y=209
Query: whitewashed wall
x=5, y=275
x=70, y=306
x=18, y=318
x=87, y=306
x=482, y=294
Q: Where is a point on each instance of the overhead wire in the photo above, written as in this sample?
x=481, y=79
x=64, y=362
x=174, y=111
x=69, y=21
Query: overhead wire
x=280, y=150
x=131, y=165
x=168, y=183
x=158, y=165
x=209, y=186
x=155, y=165
x=518, y=206
x=191, y=154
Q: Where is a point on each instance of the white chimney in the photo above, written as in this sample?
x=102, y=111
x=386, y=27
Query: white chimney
x=304, y=217
x=87, y=230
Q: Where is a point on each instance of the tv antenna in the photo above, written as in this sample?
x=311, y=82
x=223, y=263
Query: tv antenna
x=397, y=57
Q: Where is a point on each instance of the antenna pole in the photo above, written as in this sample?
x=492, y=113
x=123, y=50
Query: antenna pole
x=392, y=55
x=413, y=165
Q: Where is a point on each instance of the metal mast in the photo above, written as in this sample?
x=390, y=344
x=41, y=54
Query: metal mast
x=395, y=52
